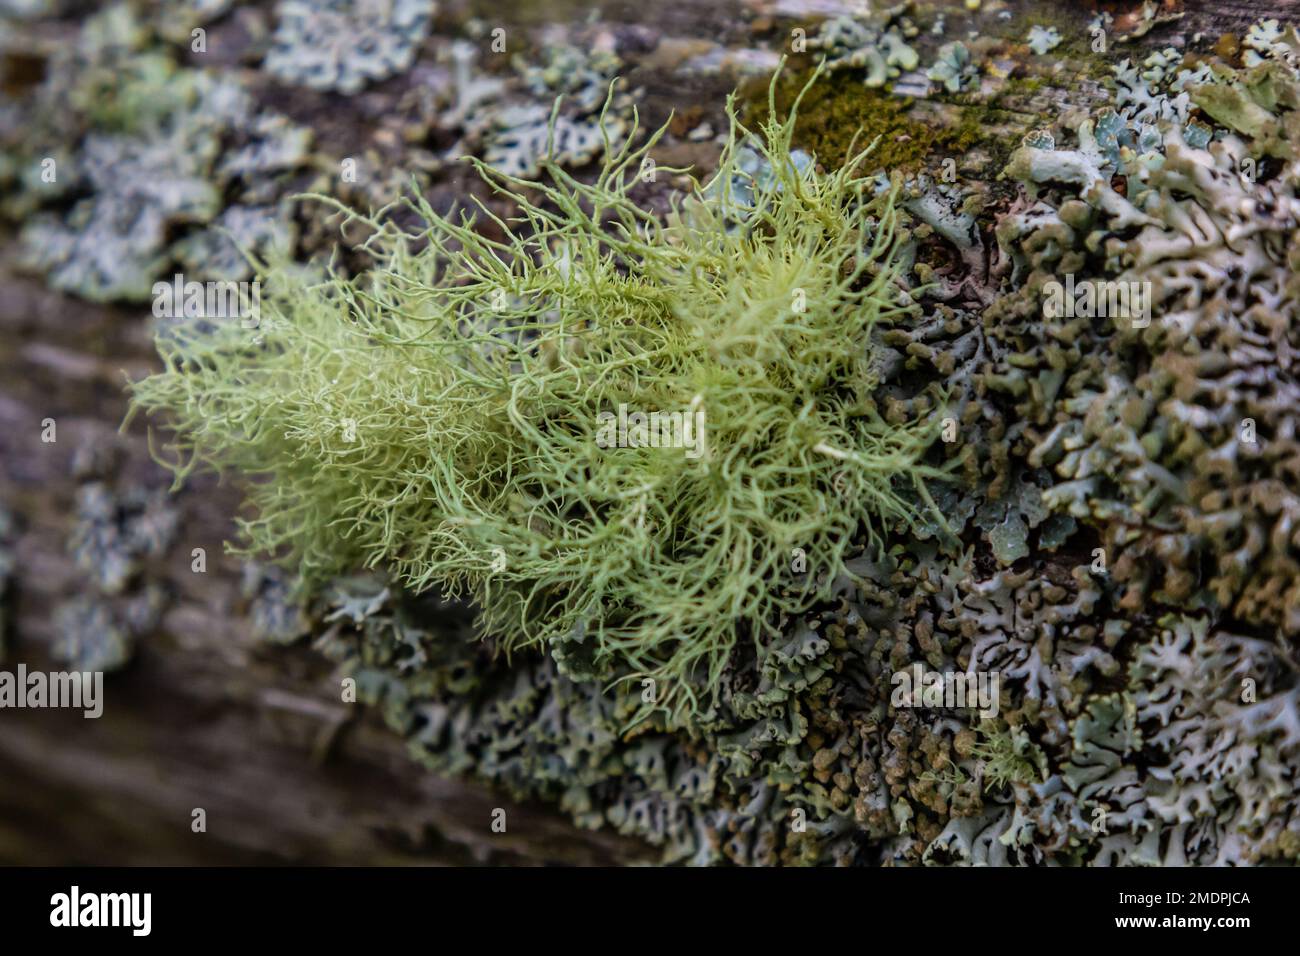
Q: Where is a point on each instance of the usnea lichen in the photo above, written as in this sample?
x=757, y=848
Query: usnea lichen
x=441, y=415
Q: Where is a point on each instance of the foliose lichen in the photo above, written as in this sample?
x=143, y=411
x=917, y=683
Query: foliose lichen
x=345, y=44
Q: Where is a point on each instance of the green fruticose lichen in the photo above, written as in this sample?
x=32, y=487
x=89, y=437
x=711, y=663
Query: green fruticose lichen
x=1007, y=757
x=448, y=416
x=1120, y=545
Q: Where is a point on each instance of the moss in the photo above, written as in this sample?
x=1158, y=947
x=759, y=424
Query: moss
x=839, y=108
x=985, y=128
x=1022, y=86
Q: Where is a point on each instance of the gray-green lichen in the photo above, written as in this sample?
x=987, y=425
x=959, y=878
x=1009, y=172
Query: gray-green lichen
x=953, y=68
x=516, y=136
x=345, y=44
x=121, y=531
x=1043, y=39
x=877, y=46
x=128, y=160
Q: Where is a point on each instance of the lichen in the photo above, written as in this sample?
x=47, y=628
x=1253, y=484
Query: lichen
x=953, y=68
x=345, y=44
x=128, y=157
x=1043, y=39
x=517, y=350
x=876, y=46
x=517, y=138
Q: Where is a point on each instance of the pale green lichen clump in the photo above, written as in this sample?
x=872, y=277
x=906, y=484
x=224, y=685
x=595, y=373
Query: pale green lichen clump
x=439, y=416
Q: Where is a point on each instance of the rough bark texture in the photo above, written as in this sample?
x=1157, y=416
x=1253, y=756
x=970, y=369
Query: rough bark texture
x=205, y=716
